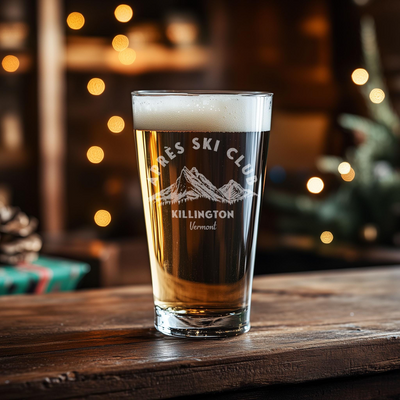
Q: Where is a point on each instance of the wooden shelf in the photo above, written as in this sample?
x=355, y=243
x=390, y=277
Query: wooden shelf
x=97, y=55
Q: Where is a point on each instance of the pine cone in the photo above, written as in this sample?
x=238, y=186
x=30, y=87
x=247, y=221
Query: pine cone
x=18, y=242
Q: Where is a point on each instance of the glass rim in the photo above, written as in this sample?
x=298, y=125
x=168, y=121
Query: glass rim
x=200, y=93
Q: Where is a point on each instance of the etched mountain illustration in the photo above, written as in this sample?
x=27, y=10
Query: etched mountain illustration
x=233, y=192
x=192, y=185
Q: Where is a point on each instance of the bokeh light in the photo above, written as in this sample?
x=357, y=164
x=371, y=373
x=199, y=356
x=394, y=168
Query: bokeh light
x=127, y=56
x=75, y=20
x=370, y=233
x=377, y=95
x=102, y=218
x=123, y=13
x=120, y=42
x=326, y=237
x=349, y=176
x=10, y=63
x=95, y=154
x=344, y=168
x=360, y=76
x=96, y=86
x=315, y=185
x=116, y=124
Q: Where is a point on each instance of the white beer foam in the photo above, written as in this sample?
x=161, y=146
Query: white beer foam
x=203, y=113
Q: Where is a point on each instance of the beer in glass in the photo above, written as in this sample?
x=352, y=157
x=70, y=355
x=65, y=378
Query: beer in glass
x=202, y=163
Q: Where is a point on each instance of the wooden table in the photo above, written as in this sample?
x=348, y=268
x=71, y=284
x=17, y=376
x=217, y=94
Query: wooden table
x=330, y=335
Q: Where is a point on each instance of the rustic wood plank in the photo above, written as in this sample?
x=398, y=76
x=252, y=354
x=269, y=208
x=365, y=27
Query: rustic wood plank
x=102, y=343
x=369, y=387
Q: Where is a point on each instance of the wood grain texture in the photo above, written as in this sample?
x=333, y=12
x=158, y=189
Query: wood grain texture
x=101, y=343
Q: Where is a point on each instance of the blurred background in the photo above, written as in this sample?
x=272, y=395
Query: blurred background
x=67, y=154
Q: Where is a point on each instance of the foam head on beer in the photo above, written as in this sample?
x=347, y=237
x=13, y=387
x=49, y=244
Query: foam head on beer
x=205, y=113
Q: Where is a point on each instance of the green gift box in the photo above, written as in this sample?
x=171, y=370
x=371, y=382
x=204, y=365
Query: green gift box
x=44, y=275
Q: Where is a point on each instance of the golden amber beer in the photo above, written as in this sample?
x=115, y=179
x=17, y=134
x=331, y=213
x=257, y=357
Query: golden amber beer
x=202, y=163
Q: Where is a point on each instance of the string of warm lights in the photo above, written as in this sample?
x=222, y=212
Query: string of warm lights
x=126, y=56
x=96, y=86
x=360, y=77
x=315, y=185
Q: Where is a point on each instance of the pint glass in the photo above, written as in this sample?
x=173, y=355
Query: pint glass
x=202, y=164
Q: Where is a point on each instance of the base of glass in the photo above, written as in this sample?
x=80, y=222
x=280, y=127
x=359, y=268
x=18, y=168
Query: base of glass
x=216, y=325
